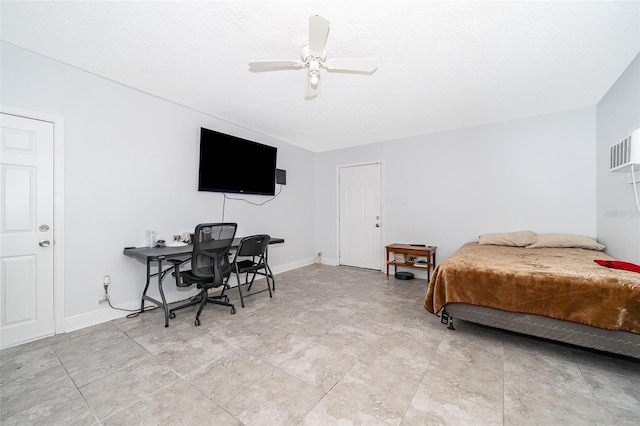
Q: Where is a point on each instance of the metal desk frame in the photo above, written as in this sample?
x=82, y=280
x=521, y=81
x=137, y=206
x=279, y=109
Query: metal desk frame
x=149, y=255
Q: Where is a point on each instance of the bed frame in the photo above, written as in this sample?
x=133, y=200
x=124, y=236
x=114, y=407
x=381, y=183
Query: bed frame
x=618, y=342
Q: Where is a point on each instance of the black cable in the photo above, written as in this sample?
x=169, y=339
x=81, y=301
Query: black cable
x=247, y=201
x=135, y=312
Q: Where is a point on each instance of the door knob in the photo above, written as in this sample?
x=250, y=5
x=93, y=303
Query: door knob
x=44, y=243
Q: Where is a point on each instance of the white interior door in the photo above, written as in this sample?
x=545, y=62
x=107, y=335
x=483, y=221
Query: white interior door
x=359, y=220
x=26, y=228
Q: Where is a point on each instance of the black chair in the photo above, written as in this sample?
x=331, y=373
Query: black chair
x=210, y=266
x=251, y=258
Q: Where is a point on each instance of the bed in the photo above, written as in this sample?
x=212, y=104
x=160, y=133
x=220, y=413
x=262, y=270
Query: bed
x=557, y=293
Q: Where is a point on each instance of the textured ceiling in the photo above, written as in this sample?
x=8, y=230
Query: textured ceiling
x=441, y=64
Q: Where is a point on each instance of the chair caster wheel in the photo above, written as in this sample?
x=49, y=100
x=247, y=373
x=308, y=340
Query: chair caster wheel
x=197, y=322
x=233, y=311
x=172, y=315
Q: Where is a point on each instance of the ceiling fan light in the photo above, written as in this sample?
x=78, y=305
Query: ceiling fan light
x=314, y=57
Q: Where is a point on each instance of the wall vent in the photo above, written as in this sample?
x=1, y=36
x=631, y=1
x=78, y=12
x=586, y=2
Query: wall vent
x=626, y=152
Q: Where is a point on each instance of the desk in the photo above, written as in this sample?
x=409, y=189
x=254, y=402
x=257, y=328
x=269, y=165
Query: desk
x=149, y=255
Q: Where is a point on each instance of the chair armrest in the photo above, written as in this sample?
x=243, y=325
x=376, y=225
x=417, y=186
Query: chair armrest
x=180, y=282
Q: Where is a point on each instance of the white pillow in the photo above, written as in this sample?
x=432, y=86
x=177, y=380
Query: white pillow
x=514, y=239
x=565, y=240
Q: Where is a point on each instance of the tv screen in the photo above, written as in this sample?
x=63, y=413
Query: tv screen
x=232, y=164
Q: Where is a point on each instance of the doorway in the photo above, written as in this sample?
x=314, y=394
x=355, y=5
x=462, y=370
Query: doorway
x=27, y=230
x=359, y=218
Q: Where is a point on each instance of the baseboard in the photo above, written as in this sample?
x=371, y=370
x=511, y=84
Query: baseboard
x=329, y=261
x=98, y=317
x=293, y=265
x=107, y=313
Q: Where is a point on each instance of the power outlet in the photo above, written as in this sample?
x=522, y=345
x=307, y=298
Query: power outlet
x=106, y=282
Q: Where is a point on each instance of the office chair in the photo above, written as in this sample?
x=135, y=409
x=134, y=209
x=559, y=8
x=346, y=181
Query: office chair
x=251, y=258
x=210, y=266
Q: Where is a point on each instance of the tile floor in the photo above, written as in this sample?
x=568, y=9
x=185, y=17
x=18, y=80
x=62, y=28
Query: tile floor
x=335, y=345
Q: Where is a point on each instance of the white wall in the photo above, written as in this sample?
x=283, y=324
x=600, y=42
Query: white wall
x=445, y=189
x=618, y=218
x=131, y=163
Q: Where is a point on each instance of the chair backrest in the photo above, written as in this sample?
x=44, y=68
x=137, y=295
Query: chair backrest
x=211, y=245
x=254, y=245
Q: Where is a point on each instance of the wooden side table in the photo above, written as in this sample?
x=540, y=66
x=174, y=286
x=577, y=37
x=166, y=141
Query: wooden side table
x=410, y=252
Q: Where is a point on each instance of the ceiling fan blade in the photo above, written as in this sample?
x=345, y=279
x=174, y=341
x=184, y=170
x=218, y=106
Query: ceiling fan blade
x=318, y=33
x=270, y=65
x=351, y=64
x=312, y=90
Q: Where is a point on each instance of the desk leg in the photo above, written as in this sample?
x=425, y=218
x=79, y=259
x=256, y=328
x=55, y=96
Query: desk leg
x=273, y=280
x=164, y=301
x=161, y=304
x=266, y=263
x=146, y=286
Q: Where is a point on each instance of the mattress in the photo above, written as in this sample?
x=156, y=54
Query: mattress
x=555, y=293
x=559, y=283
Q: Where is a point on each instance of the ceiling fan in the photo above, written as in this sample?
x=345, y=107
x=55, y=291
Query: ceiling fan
x=314, y=57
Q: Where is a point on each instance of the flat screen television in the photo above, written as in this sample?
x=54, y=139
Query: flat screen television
x=232, y=164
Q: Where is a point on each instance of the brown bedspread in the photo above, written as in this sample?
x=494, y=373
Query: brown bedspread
x=560, y=283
